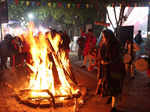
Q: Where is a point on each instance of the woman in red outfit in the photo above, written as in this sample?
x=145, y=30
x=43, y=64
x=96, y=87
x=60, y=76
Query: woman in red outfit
x=89, y=45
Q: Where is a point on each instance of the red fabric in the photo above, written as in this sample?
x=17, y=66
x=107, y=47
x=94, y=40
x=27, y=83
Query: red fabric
x=16, y=1
x=90, y=43
x=26, y=50
x=83, y=34
x=13, y=42
x=13, y=60
x=26, y=47
x=148, y=72
x=28, y=58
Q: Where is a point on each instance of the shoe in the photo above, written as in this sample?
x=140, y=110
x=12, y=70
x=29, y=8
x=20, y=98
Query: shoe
x=113, y=109
x=109, y=100
x=83, y=66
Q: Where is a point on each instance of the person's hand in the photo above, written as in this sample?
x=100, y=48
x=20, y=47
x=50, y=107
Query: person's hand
x=104, y=62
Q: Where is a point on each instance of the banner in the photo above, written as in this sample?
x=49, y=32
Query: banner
x=52, y=4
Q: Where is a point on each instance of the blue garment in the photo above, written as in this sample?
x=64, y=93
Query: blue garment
x=100, y=37
x=99, y=40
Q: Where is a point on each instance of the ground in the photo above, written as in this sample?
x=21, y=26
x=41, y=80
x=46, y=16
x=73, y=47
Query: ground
x=135, y=97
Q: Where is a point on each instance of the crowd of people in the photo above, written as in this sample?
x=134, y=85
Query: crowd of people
x=114, y=62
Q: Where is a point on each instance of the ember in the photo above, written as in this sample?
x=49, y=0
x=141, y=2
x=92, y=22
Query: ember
x=50, y=79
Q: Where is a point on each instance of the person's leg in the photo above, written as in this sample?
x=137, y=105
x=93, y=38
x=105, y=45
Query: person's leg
x=90, y=62
x=114, y=103
x=128, y=71
x=90, y=59
x=84, y=61
x=79, y=53
x=132, y=74
x=82, y=55
x=13, y=61
x=3, y=62
x=126, y=67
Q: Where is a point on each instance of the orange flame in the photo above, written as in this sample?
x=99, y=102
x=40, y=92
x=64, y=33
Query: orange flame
x=41, y=48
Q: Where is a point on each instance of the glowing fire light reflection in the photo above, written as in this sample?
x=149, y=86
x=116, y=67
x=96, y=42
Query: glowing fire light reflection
x=42, y=77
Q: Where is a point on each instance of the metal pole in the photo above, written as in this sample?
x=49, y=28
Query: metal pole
x=1, y=31
x=148, y=23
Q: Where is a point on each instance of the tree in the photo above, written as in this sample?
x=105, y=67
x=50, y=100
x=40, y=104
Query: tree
x=42, y=13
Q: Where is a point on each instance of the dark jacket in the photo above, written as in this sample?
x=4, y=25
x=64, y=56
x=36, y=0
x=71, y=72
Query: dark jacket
x=138, y=38
x=81, y=42
x=112, y=74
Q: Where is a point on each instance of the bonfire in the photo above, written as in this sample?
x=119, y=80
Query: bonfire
x=51, y=77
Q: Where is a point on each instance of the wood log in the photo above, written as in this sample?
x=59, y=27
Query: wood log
x=54, y=54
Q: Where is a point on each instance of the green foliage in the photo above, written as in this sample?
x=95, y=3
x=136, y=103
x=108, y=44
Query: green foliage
x=42, y=13
x=15, y=12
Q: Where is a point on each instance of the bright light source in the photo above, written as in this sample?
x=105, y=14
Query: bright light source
x=42, y=29
x=30, y=16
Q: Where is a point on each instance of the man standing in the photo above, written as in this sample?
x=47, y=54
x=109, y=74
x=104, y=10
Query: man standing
x=81, y=43
x=138, y=38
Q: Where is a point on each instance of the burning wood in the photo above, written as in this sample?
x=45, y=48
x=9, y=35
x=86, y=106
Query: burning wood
x=50, y=74
x=24, y=97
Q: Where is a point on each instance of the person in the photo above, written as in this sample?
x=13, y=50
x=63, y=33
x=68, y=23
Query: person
x=65, y=43
x=81, y=43
x=112, y=69
x=19, y=57
x=89, y=46
x=131, y=48
x=138, y=38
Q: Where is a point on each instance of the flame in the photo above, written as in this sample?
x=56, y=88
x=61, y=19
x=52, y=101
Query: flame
x=41, y=49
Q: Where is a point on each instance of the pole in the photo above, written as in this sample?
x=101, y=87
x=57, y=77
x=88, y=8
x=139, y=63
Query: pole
x=1, y=31
x=148, y=23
